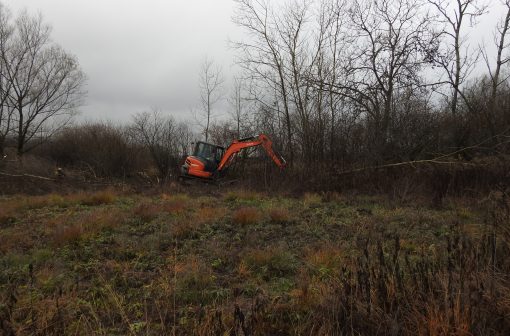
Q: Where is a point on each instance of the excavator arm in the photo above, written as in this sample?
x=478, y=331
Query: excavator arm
x=238, y=145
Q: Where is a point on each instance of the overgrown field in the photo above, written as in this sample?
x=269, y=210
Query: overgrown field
x=243, y=263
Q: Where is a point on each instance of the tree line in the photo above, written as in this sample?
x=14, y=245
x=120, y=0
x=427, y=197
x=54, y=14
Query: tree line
x=372, y=81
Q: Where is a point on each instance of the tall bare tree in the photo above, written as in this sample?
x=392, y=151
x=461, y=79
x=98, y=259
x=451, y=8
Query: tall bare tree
x=46, y=82
x=6, y=111
x=394, y=41
x=237, y=101
x=263, y=56
x=455, y=58
x=211, y=81
x=495, y=72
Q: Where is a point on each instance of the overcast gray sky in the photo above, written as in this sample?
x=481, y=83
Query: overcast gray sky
x=139, y=54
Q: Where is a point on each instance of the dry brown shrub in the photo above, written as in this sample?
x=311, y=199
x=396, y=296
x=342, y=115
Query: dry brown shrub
x=15, y=240
x=186, y=226
x=174, y=206
x=8, y=211
x=271, y=261
x=50, y=200
x=67, y=234
x=326, y=257
x=243, y=270
x=183, y=228
x=333, y=196
x=312, y=199
x=69, y=228
x=193, y=276
x=246, y=216
x=146, y=211
x=208, y=215
x=106, y=196
x=246, y=195
x=103, y=219
x=279, y=215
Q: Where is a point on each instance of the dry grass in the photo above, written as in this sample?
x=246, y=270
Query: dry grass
x=246, y=216
x=13, y=207
x=8, y=211
x=146, y=212
x=106, y=196
x=270, y=262
x=15, y=240
x=324, y=261
x=183, y=228
x=70, y=228
x=399, y=271
x=174, y=206
x=245, y=195
x=279, y=215
x=333, y=196
x=312, y=200
x=67, y=234
x=207, y=215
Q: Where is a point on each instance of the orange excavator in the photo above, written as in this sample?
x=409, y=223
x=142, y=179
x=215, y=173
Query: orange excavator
x=210, y=161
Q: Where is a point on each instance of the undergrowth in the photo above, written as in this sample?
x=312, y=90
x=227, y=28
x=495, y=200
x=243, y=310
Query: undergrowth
x=249, y=264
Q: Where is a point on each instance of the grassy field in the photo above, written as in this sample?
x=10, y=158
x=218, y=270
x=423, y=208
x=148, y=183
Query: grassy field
x=244, y=263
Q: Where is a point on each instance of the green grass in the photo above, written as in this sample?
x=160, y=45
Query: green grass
x=138, y=264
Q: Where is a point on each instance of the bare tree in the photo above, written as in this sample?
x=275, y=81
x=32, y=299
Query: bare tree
x=495, y=73
x=211, y=81
x=455, y=57
x=165, y=139
x=46, y=82
x=263, y=56
x=6, y=111
x=393, y=42
x=237, y=103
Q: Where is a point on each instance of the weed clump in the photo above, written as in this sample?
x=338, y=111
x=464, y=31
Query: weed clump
x=174, y=206
x=312, y=200
x=146, y=212
x=208, y=215
x=244, y=195
x=68, y=228
x=7, y=213
x=279, y=215
x=271, y=262
x=107, y=196
x=246, y=216
x=67, y=234
x=194, y=279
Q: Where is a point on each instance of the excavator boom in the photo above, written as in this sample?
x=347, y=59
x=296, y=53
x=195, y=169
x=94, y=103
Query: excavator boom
x=238, y=145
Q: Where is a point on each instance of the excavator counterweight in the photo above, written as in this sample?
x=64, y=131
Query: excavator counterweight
x=210, y=161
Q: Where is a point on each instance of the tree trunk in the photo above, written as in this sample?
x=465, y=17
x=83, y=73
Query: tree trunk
x=21, y=133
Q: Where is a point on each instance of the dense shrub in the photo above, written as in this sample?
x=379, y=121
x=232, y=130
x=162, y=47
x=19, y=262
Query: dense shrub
x=102, y=150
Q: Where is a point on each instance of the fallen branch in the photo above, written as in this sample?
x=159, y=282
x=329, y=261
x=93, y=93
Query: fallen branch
x=435, y=160
x=410, y=163
x=28, y=175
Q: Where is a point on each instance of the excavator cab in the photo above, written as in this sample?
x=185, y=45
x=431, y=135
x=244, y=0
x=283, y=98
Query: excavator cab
x=210, y=155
